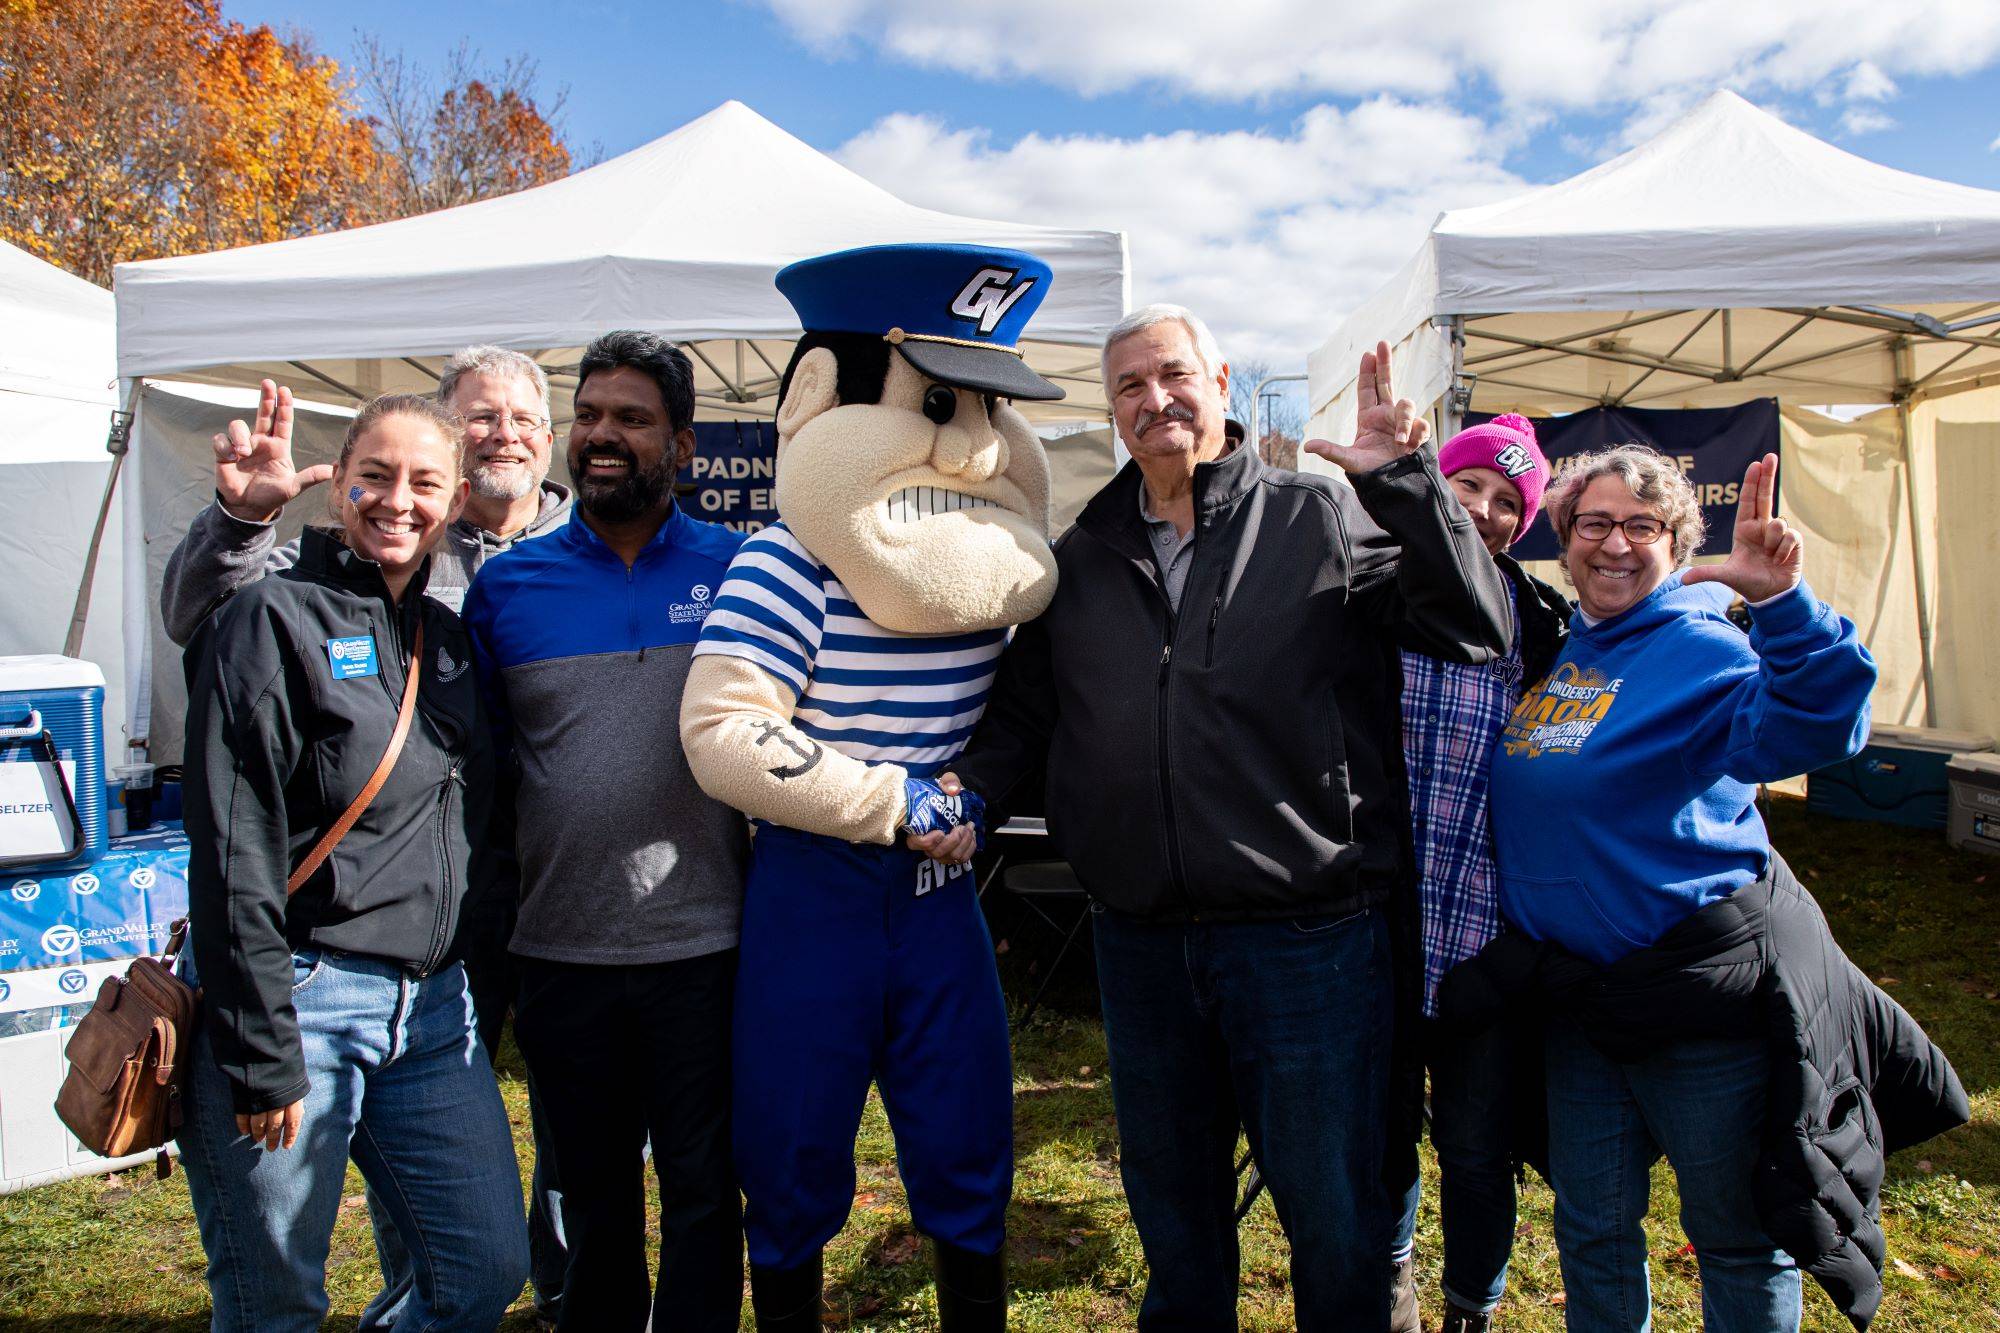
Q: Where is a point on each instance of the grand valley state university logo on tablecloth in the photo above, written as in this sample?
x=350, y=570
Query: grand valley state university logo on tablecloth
x=58, y=932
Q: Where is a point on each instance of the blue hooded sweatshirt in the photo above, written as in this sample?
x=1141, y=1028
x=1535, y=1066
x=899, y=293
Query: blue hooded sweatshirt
x=1624, y=786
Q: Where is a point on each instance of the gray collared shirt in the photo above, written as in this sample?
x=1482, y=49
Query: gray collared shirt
x=1172, y=552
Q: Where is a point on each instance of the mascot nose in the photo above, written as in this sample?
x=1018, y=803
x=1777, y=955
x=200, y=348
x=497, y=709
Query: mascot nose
x=967, y=446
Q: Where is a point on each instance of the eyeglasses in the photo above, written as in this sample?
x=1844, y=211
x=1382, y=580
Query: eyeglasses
x=1640, y=529
x=525, y=423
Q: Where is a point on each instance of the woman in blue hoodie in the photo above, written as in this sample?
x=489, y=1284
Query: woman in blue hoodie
x=1623, y=802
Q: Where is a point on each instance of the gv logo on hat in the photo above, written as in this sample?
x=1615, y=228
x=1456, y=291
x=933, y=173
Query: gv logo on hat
x=1515, y=461
x=988, y=297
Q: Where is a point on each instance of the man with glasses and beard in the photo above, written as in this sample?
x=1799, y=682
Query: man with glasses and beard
x=631, y=877
x=503, y=398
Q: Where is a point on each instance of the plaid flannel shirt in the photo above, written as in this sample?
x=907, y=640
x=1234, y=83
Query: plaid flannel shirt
x=1452, y=715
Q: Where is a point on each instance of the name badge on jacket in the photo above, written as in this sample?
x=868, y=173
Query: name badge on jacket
x=352, y=657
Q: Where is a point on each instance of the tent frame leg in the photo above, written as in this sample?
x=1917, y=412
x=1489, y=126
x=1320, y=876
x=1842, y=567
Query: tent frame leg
x=1904, y=384
x=117, y=442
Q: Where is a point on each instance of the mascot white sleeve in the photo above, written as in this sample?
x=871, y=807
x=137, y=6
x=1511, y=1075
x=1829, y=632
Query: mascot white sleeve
x=845, y=661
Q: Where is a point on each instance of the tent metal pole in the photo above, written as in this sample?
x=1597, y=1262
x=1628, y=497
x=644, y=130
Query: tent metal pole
x=1904, y=367
x=118, y=442
x=1457, y=393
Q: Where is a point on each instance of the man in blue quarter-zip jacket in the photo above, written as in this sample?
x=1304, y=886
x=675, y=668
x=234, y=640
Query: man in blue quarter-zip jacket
x=631, y=878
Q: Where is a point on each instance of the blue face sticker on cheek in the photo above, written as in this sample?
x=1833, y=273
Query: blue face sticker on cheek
x=354, y=494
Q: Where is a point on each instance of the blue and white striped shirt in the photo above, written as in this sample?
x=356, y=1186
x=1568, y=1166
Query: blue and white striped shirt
x=870, y=693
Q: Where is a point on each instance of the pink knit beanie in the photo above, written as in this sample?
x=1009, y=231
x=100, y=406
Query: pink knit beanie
x=1507, y=445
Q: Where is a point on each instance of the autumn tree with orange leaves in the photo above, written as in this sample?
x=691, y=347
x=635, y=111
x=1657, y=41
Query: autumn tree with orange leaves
x=131, y=129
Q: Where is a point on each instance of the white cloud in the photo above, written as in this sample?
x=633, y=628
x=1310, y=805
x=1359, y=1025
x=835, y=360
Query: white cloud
x=1862, y=120
x=1271, y=237
x=1867, y=83
x=1560, y=54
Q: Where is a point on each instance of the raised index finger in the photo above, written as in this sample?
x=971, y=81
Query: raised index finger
x=267, y=407
x=1749, y=501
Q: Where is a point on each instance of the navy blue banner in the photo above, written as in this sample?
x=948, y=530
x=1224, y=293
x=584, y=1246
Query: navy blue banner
x=731, y=473
x=1713, y=445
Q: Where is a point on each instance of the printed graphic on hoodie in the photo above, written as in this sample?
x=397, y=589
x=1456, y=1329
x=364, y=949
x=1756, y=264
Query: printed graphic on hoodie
x=1557, y=714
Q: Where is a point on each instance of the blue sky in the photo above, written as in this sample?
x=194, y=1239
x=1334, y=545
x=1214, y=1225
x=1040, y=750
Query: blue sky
x=1272, y=160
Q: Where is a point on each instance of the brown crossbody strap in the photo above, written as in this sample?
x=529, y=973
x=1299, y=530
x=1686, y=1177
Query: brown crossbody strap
x=324, y=847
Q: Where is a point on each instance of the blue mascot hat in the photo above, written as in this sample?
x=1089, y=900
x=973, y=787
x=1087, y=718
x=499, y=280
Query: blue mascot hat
x=955, y=312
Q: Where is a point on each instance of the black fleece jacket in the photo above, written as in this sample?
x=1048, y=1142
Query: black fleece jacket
x=278, y=745
x=1239, y=758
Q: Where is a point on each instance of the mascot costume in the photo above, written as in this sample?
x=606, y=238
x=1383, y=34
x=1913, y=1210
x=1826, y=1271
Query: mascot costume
x=845, y=662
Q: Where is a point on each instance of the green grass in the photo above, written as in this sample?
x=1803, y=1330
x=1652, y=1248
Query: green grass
x=1925, y=922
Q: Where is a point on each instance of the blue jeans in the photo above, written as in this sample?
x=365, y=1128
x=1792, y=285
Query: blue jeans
x=1701, y=1102
x=548, y=1253
x=1281, y=1027
x=400, y=1081
x=1469, y=1130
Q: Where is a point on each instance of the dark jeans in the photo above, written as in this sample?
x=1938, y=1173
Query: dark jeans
x=1469, y=1130
x=1282, y=1027
x=495, y=977
x=621, y=1054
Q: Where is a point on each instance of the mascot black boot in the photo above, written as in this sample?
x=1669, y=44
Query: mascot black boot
x=787, y=1300
x=971, y=1290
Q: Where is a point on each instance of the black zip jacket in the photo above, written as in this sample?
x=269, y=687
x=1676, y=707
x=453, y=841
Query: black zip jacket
x=1543, y=614
x=1853, y=1077
x=277, y=748
x=1240, y=758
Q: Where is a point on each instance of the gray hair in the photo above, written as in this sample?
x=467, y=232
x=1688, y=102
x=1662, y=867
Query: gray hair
x=1145, y=317
x=486, y=359
x=1654, y=480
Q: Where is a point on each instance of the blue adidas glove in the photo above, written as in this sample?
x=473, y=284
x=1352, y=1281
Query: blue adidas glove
x=931, y=811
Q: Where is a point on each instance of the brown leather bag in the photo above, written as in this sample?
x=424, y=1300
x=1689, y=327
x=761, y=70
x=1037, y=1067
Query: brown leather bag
x=126, y=1067
x=122, y=1093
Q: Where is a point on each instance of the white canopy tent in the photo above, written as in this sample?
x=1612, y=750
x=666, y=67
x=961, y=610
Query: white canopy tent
x=58, y=387
x=1734, y=257
x=682, y=236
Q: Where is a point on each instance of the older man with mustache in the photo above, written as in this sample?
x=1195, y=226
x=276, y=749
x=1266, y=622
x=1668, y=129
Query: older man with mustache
x=1213, y=696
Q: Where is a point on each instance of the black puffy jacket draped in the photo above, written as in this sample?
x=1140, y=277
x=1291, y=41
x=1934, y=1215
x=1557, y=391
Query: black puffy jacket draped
x=1853, y=1077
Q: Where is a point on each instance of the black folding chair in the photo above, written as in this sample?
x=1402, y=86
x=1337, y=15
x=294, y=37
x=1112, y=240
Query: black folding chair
x=1046, y=887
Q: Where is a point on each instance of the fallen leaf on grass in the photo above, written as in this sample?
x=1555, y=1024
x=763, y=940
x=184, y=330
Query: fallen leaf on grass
x=1083, y=1071
x=1001, y=947
x=863, y=1200
x=1924, y=1165
x=1907, y=1269
x=901, y=1250
x=1560, y=1298
x=868, y=1305
x=352, y=1201
x=1888, y=981
x=1964, y=1251
x=1525, y=1230
x=1945, y=1273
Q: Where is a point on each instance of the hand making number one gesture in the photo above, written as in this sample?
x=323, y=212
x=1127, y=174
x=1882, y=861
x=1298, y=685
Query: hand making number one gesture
x=254, y=477
x=1385, y=427
x=1767, y=557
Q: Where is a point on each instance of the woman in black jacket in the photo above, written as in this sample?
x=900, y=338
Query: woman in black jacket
x=337, y=1017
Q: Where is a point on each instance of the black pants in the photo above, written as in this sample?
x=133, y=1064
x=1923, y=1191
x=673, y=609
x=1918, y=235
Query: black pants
x=621, y=1055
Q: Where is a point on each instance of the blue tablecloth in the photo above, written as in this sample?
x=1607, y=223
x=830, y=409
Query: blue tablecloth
x=57, y=931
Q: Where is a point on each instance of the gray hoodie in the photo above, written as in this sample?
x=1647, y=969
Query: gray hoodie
x=222, y=553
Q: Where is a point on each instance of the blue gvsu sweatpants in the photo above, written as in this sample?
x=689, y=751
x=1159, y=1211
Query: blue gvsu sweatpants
x=863, y=963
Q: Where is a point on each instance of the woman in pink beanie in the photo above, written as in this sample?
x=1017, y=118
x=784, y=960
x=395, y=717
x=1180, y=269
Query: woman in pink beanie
x=1452, y=715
